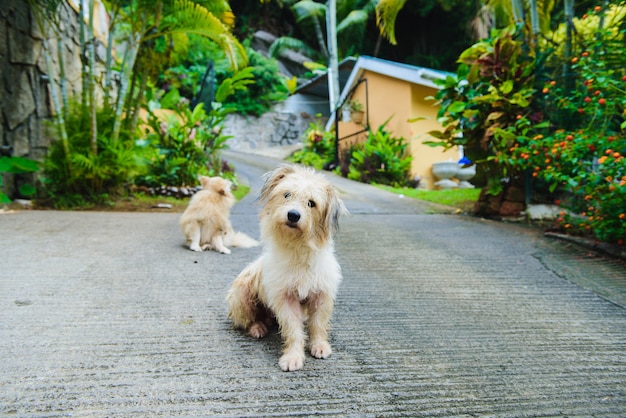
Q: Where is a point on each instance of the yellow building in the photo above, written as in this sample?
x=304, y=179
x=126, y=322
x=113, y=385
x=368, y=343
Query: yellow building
x=395, y=91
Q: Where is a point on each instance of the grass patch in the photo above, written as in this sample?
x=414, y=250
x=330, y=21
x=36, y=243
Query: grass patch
x=463, y=199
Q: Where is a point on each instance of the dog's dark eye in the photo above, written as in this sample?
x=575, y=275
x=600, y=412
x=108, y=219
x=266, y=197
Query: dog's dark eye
x=287, y=195
x=311, y=204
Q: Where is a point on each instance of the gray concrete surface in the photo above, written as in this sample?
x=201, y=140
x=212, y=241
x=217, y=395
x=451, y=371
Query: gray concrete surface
x=108, y=314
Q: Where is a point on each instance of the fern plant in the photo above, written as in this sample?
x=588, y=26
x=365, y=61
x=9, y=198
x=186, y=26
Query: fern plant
x=93, y=178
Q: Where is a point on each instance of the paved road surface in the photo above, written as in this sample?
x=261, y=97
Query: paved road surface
x=108, y=314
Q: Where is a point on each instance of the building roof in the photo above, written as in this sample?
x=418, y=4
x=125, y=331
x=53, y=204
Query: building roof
x=318, y=86
x=406, y=72
x=411, y=73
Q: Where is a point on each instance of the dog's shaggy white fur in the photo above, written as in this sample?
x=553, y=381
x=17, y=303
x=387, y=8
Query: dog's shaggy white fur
x=206, y=223
x=295, y=280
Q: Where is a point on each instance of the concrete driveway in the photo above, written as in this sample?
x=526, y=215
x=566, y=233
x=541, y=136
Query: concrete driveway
x=108, y=314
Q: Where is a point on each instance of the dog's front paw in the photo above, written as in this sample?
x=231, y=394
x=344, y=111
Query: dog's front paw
x=321, y=349
x=290, y=362
x=225, y=251
x=257, y=330
x=195, y=248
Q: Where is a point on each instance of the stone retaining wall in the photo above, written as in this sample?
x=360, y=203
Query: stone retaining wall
x=25, y=101
x=276, y=133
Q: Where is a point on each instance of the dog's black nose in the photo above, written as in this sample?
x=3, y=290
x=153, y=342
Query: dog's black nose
x=293, y=216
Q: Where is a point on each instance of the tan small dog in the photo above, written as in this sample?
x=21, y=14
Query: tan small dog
x=206, y=223
x=296, y=278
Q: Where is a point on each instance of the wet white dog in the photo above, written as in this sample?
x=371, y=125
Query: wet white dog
x=295, y=280
x=206, y=222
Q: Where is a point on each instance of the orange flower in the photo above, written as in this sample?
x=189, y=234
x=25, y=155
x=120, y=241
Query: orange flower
x=602, y=159
x=622, y=215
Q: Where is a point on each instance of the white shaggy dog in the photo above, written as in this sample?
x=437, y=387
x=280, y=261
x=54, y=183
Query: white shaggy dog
x=296, y=278
x=206, y=223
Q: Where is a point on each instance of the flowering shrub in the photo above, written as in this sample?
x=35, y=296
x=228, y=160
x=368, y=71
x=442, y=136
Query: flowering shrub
x=567, y=134
x=584, y=151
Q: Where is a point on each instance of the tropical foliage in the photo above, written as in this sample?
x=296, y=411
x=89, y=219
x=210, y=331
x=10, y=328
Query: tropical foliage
x=17, y=165
x=556, y=120
x=319, y=146
x=96, y=156
x=381, y=159
x=83, y=177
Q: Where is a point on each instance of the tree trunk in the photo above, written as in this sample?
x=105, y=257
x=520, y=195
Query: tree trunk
x=136, y=109
x=320, y=36
x=333, y=67
x=129, y=61
x=56, y=103
x=93, y=121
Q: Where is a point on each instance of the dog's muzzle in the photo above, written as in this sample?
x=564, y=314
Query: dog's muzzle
x=293, y=216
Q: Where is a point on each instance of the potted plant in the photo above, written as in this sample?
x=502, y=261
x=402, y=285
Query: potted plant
x=356, y=111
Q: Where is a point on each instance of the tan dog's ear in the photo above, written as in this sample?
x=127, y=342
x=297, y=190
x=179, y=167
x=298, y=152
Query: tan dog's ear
x=205, y=181
x=273, y=178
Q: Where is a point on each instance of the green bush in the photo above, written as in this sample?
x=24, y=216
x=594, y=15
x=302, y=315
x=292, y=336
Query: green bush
x=381, y=159
x=176, y=150
x=583, y=152
x=269, y=87
x=481, y=107
x=319, y=146
x=84, y=178
x=17, y=165
x=567, y=134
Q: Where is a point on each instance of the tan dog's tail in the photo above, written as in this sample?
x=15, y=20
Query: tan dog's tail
x=241, y=240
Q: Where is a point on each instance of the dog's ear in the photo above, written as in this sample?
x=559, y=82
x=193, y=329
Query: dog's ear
x=204, y=181
x=273, y=178
x=224, y=187
x=335, y=209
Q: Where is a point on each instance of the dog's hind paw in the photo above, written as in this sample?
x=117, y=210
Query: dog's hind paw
x=321, y=349
x=195, y=248
x=290, y=362
x=257, y=330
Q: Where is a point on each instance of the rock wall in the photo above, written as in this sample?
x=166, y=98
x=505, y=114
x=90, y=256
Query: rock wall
x=277, y=133
x=25, y=101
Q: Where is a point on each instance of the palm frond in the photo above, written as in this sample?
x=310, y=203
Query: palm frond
x=307, y=9
x=355, y=19
x=189, y=17
x=287, y=43
x=221, y=9
x=386, y=13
